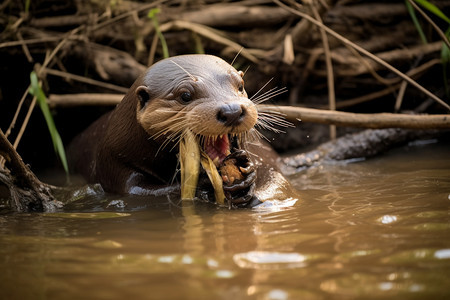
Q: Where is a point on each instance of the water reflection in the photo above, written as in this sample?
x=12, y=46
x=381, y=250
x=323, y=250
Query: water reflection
x=372, y=229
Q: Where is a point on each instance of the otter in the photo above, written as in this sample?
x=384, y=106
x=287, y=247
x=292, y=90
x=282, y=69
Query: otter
x=133, y=149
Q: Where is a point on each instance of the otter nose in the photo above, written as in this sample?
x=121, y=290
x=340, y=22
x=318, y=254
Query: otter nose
x=231, y=114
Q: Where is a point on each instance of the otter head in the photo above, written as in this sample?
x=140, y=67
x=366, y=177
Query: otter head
x=200, y=93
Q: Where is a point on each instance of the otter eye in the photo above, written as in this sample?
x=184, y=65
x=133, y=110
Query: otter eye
x=186, y=97
x=241, y=88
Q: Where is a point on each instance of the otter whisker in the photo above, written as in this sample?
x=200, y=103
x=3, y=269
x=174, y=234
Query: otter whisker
x=237, y=55
x=274, y=119
x=256, y=135
x=181, y=134
x=189, y=74
x=270, y=120
x=264, y=125
x=170, y=125
x=271, y=123
x=245, y=72
x=171, y=111
x=176, y=139
x=269, y=94
x=173, y=133
x=177, y=170
x=259, y=91
x=167, y=132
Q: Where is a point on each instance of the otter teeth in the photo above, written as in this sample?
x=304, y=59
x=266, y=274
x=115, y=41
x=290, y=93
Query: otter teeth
x=217, y=148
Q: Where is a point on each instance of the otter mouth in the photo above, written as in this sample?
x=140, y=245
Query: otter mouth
x=219, y=147
x=226, y=174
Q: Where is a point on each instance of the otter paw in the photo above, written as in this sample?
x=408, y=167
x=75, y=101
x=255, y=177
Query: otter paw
x=237, y=171
x=247, y=201
x=238, y=176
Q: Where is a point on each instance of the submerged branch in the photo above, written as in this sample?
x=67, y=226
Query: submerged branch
x=28, y=193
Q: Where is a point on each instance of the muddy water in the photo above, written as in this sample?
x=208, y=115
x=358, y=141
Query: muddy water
x=370, y=229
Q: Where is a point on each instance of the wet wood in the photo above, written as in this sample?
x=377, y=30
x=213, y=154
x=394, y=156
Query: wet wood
x=367, y=143
x=89, y=99
x=225, y=28
x=377, y=120
x=232, y=15
x=292, y=113
x=110, y=64
x=27, y=192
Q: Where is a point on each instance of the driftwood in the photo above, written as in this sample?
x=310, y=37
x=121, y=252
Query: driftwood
x=111, y=65
x=232, y=15
x=263, y=30
x=27, y=192
x=359, y=145
x=377, y=120
x=291, y=113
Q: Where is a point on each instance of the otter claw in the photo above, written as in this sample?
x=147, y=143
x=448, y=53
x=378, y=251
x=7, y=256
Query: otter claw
x=248, y=169
x=241, y=185
x=239, y=192
x=242, y=156
x=238, y=154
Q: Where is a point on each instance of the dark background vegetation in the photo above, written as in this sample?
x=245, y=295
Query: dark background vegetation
x=111, y=42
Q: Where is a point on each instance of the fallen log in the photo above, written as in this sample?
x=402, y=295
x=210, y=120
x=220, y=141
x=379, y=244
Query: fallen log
x=361, y=145
x=374, y=121
x=292, y=113
x=88, y=99
x=229, y=15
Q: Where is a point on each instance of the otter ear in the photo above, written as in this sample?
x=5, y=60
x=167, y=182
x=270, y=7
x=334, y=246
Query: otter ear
x=241, y=74
x=143, y=95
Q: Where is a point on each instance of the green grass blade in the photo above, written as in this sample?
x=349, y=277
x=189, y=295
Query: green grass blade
x=152, y=15
x=56, y=138
x=198, y=44
x=445, y=58
x=433, y=9
x=412, y=13
x=27, y=6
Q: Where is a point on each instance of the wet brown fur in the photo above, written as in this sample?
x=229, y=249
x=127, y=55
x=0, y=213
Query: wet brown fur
x=132, y=149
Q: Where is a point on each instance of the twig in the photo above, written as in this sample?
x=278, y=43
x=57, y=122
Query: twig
x=365, y=52
x=151, y=53
x=329, y=66
x=211, y=34
x=24, y=47
x=127, y=14
x=47, y=60
x=16, y=114
x=86, y=80
x=71, y=100
x=368, y=97
x=29, y=42
x=367, y=65
x=401, y=94
x=4, y=5
x=28, y=193
x=392, y=55
x=379, y=120
x=25, y=121
x=426, y=17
